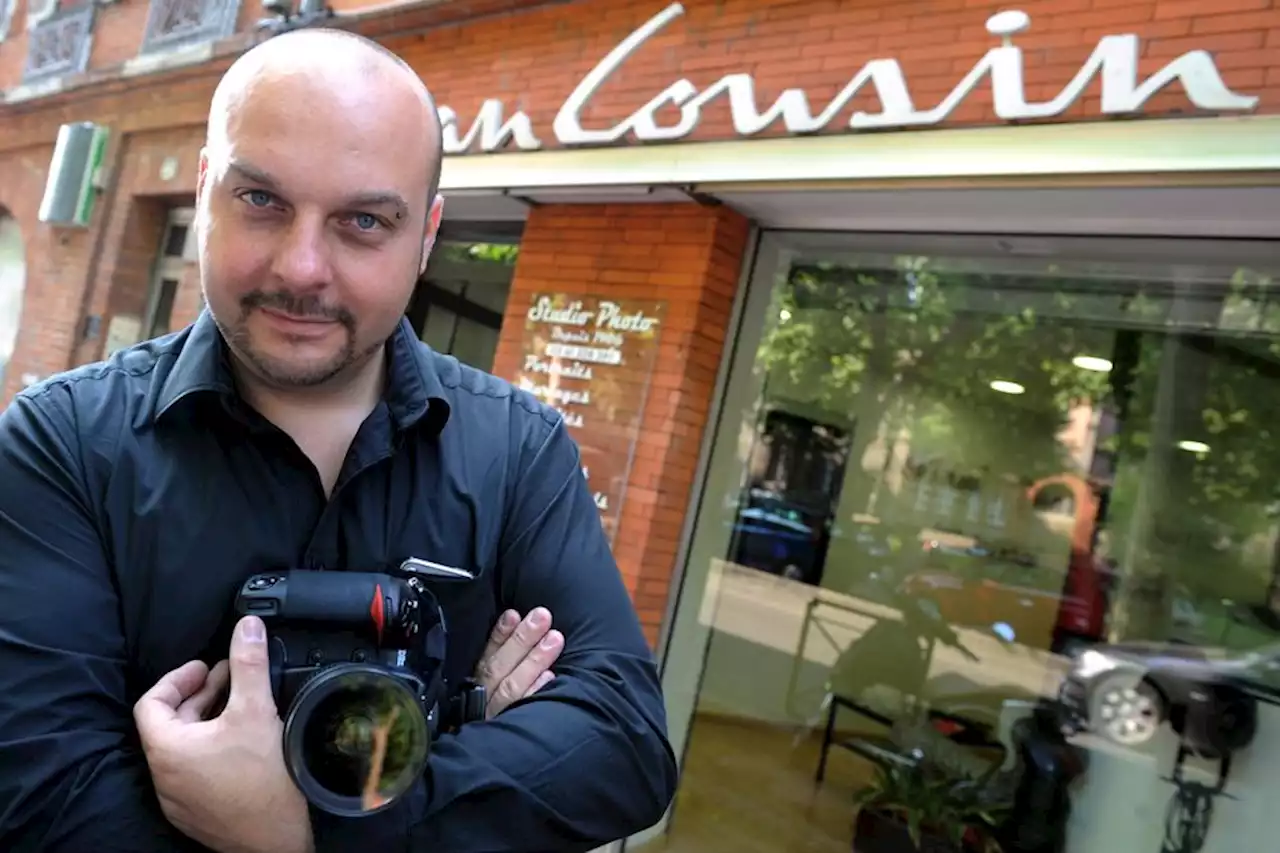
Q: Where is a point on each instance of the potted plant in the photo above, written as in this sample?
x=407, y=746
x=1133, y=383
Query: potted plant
x=919, y=805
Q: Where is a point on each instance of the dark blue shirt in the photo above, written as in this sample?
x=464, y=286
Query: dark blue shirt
x=137, y=494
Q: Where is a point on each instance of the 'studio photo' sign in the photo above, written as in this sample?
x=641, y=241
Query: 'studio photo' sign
x=592, y=360
x=1114, y=62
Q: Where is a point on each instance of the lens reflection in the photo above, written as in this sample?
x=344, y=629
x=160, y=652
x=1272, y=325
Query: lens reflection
x=365, y=738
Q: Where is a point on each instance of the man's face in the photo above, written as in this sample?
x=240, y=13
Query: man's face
x=314, y=223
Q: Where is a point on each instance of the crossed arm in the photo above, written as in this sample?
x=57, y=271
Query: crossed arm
x=582, y=762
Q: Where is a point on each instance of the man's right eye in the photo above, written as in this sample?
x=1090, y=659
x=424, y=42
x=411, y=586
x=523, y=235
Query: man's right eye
x=258, y=198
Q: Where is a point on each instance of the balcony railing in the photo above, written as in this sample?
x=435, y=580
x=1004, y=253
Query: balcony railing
x=60, y=44
x=173, y=24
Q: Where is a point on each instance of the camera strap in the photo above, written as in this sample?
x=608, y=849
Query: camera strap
x=454, y=707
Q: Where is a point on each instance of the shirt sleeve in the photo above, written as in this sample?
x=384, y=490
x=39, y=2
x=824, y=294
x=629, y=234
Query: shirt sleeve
x=72, y=774
x=586, y=760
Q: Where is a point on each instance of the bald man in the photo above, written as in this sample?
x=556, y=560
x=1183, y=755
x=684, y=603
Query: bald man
x=299, y=424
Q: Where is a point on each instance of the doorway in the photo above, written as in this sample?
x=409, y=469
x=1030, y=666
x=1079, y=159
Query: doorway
x=177, y=250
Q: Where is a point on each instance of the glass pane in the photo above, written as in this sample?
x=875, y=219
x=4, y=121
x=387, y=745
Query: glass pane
x=437, y=332
x=1005, y=507
x=490, y=291
x=162, y=314
x=175, y=240
x=480, y=272
x=475, y=344
x=469, y=281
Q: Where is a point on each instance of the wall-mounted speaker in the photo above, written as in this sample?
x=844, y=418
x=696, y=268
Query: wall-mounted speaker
x=72, y=186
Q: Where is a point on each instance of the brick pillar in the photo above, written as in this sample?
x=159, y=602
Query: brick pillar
x=56, y=261
x=134, y=218
x=688, y=255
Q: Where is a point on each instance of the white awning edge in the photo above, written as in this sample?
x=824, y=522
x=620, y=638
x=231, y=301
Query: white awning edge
x=1226, y=144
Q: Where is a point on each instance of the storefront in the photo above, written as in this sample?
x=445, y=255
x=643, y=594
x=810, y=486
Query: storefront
x=891, y=409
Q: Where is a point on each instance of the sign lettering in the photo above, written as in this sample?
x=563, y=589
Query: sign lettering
x=592, y=360
x=1114, y=62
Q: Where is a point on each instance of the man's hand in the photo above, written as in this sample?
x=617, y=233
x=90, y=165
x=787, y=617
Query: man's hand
x=222, y=781
x=518, y=658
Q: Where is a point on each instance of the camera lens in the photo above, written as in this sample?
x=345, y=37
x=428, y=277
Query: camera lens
x=355, y=739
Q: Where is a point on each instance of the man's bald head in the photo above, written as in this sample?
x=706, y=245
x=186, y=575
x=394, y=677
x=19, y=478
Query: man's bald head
x=316, y=205
x=320, y=62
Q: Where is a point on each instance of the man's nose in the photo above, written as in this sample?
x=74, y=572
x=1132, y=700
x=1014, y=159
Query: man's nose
x=302, y=257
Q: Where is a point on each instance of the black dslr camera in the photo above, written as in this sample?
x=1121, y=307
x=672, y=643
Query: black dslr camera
x=357, y=674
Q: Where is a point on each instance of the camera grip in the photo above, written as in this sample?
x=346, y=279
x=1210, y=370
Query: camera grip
x=342, y=600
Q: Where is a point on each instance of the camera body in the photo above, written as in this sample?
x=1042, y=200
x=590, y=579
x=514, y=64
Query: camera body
x=316, y=620
x=356, y=668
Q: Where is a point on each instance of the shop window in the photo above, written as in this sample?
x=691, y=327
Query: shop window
x=963, y=483
x=13, y=277
x=458, y=306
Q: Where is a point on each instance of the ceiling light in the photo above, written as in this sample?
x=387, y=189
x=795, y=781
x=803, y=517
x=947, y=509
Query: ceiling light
x=1193, y=446
x=1005, y=387
x=1092, y=362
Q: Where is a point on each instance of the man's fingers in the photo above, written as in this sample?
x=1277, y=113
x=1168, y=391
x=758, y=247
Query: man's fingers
x=200, y=706
x=543, y=680
x=160, y=704
x=495, y=668
x=250, y=671
x=520, y=683
x=501, y=632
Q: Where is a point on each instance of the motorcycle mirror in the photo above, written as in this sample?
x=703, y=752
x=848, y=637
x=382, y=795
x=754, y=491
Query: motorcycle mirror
x=1004, y=631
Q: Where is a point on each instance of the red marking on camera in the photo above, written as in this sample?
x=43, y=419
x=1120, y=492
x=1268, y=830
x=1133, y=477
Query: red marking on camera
x=376, y=612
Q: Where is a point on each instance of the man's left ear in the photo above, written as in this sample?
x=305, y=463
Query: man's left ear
x=433, y=228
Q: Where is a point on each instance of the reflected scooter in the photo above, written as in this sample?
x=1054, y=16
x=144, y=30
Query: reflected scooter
x=898, y=653
x=1038, y=763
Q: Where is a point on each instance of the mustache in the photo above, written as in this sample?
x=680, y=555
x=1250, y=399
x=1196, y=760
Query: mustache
x=297, y=306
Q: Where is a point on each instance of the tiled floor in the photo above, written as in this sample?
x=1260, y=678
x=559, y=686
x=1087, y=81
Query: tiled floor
x=750, y=789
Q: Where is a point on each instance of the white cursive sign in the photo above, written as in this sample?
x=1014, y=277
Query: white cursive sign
x=1114, y=61
x=545, y=311
x=608, y=318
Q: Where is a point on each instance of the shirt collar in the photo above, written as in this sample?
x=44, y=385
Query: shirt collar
x=203, y=367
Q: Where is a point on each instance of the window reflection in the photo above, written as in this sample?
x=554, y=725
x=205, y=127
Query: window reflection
x=460, y=301
x=993, y=500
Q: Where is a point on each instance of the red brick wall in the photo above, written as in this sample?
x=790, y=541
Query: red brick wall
x=57, y=264
x=119, y=28
x=689, y=255
x=533, y=58
x=117, y=36
x=134, y=218
x=71, y=272
x=533, y=61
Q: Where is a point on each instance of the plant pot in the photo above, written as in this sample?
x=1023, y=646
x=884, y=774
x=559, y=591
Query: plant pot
x=877, y=832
